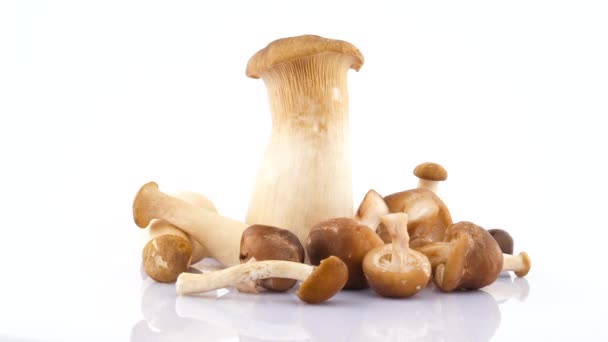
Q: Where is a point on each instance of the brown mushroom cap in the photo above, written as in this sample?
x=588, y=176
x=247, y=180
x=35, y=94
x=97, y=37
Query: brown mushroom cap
x=429, y=217
x=504, y=240
x=346, y=239
x=285, y=50
x=431, y=171
x=399, y=284
x=271, y=243
x=325, y=281
x=164, y=259
x=474, y=261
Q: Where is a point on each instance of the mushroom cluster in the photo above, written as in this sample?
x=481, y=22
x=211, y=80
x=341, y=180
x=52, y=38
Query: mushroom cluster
x=300, y=224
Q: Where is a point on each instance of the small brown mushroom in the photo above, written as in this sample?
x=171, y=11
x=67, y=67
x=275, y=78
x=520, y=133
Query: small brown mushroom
x=504, y=240
x=395, y=270
x=319, y=283
x=428, y=216
x=262, y=242
x=346, y=239
x=168, y=251
x=468, y=259
x=429, y=175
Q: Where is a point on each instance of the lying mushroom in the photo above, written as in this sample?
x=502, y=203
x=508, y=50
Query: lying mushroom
x=428, y=216
x=519, y=264
x=260, y=243
x=469, y=258
x=305, y=174
x=168, y=251
x=429, y=175
x=220, y=235
x=395, y=270
x=504, y=240
x=348, y=240
x=319, y=283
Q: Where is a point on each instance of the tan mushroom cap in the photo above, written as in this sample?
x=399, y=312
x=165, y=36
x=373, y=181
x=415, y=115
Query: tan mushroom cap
x=397, y=284
x=263, y=242
x=346, y=239
x=324, y=282
x=429, y=217
x=285, y=50
x=431, y=171
x=526, y=263
x=475, y=259
x=164, y=259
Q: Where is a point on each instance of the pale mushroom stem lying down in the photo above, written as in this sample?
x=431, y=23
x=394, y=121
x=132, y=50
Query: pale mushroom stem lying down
x=395, y=270
x=519, y=264
x=438, y=252
x=319, y=283
x=220, y=235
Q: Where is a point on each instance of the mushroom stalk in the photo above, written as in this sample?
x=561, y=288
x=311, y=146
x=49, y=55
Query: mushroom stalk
x=220, y=235
x=319, y=283
x=427, y=184
x=305, y=173
x=371, y=209
x=520, y=264
x=189, y=283
x=397, y=228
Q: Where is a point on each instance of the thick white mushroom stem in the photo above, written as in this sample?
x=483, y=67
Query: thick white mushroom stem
x=520, y=264
x=396, y=224
x=371, y=209
x=305, y=174
x=220, y=235
x=427, y=184
x=190, y=283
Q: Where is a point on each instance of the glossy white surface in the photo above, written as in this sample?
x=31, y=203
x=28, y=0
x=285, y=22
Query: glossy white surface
x=98, y=98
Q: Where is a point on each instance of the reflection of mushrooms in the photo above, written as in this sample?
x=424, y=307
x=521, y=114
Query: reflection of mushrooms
x=504, y=240
x=371, y=209
x=520, y=264
x=319, y=283
x=306, y=165
x=429, y=175
x=346, y=239
x=220, y=235
x=428, y=216
x=395, y=270
x=271, y=243
x=469, y=259
x=169, y=251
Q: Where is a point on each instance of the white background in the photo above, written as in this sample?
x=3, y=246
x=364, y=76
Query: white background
x=97, y=98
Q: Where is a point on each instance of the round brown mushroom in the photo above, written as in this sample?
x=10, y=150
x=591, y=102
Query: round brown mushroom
x=428, y=216
x=262, y=242
x=429, y=175
x=319, y=283
x=469, y=258
x=395, y=270
x=504, y=240
x=346, y=239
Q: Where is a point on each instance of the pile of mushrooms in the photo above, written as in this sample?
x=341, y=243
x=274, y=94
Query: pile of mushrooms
x=300, y=224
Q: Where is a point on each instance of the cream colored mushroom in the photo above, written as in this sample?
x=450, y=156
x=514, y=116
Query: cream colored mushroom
x=305, y=174
x=220, y=235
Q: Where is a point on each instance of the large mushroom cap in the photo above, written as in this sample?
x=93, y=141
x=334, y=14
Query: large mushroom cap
x=431, y=171
x=475, y=259
x=289, y=49
x=271, y=243
x=396, y=283
x=346, y=239
x=325, y=281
